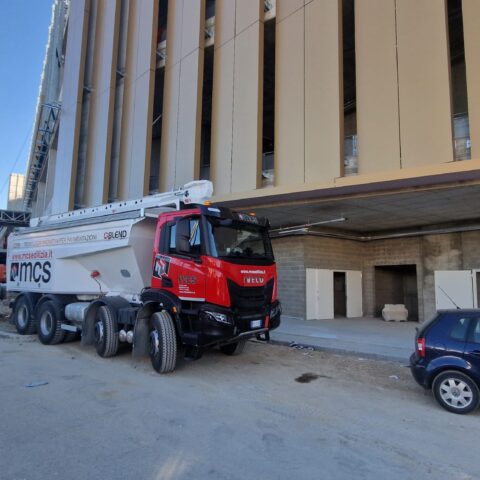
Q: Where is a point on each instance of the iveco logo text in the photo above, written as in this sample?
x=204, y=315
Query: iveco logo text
x=115, y=235
x=253, y=280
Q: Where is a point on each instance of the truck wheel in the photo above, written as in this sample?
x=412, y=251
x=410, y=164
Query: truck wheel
x=23, y=316
x=163, y=343
x=106, y=333
x=233, y=348
x=49, y=318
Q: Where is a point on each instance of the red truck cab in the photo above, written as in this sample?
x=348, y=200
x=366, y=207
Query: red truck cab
x=214, y=270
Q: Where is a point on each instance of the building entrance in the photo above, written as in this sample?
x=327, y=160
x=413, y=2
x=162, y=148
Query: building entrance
x=397, y=284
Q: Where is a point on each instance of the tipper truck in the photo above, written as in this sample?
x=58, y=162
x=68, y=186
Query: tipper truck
x=166, y=272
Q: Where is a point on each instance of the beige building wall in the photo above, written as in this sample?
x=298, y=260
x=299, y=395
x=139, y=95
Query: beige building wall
x=69, y=128
x=404, y=114
x=237, y=105
x=471, y=32
x=102, y=103
x=222, y=99
x=290, y=94
x=323, y=90
x=377, y=86
x=182, y=113
x=247, y=96
x=134, y=170
x=424, y=83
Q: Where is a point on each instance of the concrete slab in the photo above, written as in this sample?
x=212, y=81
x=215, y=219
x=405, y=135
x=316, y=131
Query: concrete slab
x=365, y=336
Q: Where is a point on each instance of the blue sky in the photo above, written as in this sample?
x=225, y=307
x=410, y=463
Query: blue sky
x=23, y=37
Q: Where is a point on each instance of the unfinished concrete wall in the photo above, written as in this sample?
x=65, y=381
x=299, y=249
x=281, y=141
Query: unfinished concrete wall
x=439, y=252
x=289, y=255
x=471, y=250
x=295, y=254
x=453, y=251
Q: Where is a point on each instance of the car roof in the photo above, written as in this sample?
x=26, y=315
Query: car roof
x=460, y=310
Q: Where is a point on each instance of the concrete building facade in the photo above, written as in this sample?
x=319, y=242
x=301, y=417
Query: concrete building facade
x=354, y=125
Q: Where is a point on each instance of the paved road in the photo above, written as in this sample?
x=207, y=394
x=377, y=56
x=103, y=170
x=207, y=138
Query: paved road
x=222, y=418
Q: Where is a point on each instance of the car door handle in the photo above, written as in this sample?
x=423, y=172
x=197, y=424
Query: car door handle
x=167, y=282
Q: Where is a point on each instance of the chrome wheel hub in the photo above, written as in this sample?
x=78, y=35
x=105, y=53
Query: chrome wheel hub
x=22, y=316
x=46, y=323
x=98, y=332
x=154, y=343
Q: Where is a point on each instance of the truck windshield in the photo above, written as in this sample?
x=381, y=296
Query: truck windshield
x=238, y=240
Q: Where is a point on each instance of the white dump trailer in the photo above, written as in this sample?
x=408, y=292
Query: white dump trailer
x=105, y=250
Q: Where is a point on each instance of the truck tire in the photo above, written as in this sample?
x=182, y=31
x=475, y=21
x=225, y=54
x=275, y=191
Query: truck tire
x=23, y=316
x=163, y=343
x=233, y=348
x=106, y=333
x=49, y=318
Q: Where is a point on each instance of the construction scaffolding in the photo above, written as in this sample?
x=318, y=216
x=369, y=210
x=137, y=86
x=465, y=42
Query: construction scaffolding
x=43, y=139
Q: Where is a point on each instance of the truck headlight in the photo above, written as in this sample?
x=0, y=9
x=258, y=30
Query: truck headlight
x=218, y=317
x=275, y=309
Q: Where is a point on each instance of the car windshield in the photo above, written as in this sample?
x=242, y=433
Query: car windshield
x=239, y=240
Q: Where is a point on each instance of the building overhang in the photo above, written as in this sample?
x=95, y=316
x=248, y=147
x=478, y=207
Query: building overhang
x=393, y=201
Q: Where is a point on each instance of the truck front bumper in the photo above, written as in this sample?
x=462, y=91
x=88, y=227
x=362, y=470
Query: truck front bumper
x=218, y=325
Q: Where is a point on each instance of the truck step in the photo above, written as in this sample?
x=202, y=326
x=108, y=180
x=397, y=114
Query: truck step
x=69, y=328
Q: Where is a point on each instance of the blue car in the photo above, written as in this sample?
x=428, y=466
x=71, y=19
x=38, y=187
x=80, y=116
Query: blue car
x=447, y=359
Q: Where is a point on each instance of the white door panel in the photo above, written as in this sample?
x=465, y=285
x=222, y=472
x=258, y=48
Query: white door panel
x=319, y=286
x=354, y=293
x=454, y=288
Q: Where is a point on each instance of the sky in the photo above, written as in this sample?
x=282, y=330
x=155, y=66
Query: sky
x=23, y=38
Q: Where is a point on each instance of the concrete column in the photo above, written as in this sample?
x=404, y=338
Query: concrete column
x=377, y=86
x=102, y=103
x=424, y=83
x=471, y=35
x=323, y=90
x=134, y=171
x=290, y=94
x=65, y=171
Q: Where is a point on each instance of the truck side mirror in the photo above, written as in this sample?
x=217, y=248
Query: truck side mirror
x=182, y=236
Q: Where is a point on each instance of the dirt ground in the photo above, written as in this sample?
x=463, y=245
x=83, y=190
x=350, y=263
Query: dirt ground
x=273, y=412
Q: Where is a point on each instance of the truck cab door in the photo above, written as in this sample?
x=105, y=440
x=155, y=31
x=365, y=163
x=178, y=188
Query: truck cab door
x=181, y=269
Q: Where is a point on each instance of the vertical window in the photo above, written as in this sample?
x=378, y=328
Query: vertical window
x=161, y=47
x=349, y=90
x=461, y=128
x=268, y=140
x=206, y=132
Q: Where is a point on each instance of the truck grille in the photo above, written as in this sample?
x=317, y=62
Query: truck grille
x=245, y=300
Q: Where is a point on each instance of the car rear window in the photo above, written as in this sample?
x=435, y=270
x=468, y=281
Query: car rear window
x=476, y=331
x=459, y=329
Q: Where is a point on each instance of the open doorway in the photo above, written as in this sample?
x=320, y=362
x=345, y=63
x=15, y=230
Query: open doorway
x=397, y=284
x=339, y=294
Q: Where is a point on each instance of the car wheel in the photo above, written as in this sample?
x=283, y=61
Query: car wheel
x=233, y=348
x=49, y=318
x=106, y=333
x=23, y=316
x=456, y=392
x=163, y=343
